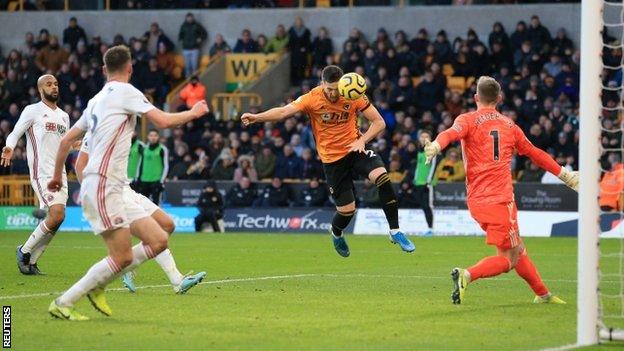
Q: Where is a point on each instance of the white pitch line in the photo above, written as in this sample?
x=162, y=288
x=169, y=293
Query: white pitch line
x=237, y=280
x=292, y=276
x=562, y=348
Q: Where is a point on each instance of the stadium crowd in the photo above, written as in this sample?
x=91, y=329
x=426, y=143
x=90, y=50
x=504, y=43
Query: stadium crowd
x=408, y=79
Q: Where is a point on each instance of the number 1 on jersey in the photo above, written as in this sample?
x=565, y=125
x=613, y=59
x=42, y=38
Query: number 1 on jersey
x=494, y=134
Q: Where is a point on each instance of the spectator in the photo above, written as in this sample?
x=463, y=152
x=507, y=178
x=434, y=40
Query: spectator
x=419, y=44
x=241, y=195
x=279, y=42
x=313, y=196
x=193, y=92
x=154, y=83
x=289, y=165
x=428, y=93
x=262, y=42
x=153, y=168
x=199, y=169
x=530, y=173
x=539, y=35
x=155, y=37
x=19, y=165
x=220, y=46
x=245, y=43
x=322, y=46
x=311, y=168
x=265, y=162
x=52, y=56
x=612, y=185
x=451, y=168
x=406, y=196
x=274, y=195
x=245, y=169
x=519, y=36
x=395, y=173
x=299, y=45
x=403, y=95
x=43, y=39
x=192, y=35
x=166, y=60
x=73, y=34
x=210, y=206
x=369, y=196
x=562, y=45
x=223, y=168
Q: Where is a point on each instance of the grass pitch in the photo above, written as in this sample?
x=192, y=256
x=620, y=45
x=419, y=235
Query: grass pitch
x=293, y=292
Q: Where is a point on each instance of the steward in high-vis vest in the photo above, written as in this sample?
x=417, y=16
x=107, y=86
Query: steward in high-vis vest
x=136, y=150
x=153, y=167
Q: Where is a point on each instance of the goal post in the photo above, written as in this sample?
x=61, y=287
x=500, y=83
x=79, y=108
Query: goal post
x=589, y=167
x=600, y=280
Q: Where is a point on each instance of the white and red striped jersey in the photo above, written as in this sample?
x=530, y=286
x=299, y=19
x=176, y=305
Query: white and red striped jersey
x=44, y=128
x=110, y=118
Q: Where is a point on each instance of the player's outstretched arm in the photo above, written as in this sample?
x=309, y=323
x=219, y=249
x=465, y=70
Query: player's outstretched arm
x=65, y=147
x=544, y=161
x=275, y=114
x=376, y=126
x=23, y=123
x=165, y=120
x=455, y=133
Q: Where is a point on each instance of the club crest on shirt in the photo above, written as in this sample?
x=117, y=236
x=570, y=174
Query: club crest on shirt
x=118, y=220
x=50, y=197
x=346, y=107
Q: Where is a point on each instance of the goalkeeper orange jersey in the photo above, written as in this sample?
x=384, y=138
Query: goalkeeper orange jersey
x=334, y=124
x=489, y=141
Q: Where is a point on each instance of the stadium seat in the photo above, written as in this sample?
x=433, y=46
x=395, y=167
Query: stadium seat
x=323, y=3
x=416, y=81
x=448, y=70
x=204, y=62
x=13, y=6
x=456, y=84
x=179, y=60
x=469, y=81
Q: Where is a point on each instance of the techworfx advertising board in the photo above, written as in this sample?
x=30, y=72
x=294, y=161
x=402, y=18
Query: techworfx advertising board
x=459, y=222
x=280, y=220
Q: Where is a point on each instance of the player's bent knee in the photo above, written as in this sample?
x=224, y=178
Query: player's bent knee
x=168, y=226
x=346, y=208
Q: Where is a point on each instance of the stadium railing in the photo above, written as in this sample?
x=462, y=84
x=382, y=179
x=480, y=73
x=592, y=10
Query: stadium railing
x=17, y=191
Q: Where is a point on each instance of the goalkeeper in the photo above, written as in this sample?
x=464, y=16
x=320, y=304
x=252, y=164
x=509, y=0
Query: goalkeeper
x=489, y=141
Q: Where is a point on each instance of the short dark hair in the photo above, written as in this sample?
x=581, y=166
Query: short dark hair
x=488, y=89
x=427, y=131
x=331, y=74
x=116, y=58
x=155, y=131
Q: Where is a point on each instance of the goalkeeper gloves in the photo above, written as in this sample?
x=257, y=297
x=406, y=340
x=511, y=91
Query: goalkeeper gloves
x=432, y=149
x=570, y=178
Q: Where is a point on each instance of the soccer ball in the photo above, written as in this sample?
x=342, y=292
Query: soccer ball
x=351, y=86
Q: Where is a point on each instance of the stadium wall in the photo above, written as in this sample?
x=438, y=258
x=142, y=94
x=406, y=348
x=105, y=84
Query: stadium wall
x=454, y=19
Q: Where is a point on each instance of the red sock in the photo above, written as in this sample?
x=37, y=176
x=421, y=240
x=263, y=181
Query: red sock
x=489, y=267
x=526, y=269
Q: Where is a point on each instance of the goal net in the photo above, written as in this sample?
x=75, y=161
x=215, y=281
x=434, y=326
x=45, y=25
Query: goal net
x=601, y=193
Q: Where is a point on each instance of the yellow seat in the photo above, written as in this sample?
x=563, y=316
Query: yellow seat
x=323, y=3
x=416, y=81
x=448, y=70
x=456, y=84
x=204, y=61
x=469, y=81
x=179, y=60
x=13, y=6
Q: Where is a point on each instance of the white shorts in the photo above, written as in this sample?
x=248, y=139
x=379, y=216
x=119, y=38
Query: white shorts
x=48, y=198
x=130, y=195
x=105, y=206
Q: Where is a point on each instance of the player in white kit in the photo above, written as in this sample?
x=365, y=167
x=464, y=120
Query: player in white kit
x=181, y=284
x=111, y=118
x=44, y=124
